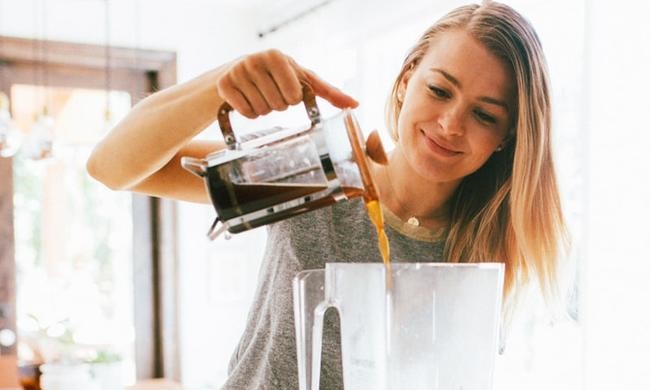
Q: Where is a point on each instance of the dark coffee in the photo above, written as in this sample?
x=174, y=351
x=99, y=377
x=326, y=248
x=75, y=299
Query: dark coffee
x=235, y=200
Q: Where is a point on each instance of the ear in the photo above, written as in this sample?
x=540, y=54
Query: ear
x=403, y=83
x=504, y=142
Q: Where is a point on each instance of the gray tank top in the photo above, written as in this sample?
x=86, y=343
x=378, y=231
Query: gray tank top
x=265, y=357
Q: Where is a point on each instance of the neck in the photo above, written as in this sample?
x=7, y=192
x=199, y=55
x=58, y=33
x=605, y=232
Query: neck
x=409, y=195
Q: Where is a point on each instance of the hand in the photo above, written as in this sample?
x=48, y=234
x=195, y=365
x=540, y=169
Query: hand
x=259, y=83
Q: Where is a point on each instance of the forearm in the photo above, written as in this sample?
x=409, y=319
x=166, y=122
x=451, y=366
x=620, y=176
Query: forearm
x=154, y=131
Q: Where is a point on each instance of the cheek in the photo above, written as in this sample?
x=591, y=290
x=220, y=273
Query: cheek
x=410, y=116
x=483, y=145
x=402, y=125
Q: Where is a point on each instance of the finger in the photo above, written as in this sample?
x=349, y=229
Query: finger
x=269, y=89
x=328, y=92
x=283, y=73
x=239, y=103
x=241, y=81
x=235, y=98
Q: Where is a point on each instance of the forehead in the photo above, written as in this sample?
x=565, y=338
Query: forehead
x=470, y=62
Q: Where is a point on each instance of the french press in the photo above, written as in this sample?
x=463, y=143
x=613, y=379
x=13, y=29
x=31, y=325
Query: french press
x=280, y=173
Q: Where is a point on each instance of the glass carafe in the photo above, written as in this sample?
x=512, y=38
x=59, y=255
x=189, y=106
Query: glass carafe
x=280, y=173
x=434, y=327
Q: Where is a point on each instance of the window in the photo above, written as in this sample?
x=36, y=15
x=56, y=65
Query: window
x=73, y=237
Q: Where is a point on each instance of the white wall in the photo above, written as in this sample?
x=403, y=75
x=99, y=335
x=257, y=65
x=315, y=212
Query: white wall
x=617, y=293
x=200, y=31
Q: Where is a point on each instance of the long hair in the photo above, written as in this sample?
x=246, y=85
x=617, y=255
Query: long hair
x=509, y=209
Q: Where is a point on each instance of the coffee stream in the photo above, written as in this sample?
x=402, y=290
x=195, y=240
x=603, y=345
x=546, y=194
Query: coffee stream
x=377, y=218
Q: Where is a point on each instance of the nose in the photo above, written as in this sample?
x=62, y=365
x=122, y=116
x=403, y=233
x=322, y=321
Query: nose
x=450, y=121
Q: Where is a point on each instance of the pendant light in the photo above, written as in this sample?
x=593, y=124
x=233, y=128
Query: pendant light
x=40, y=140
x=108, y=112
x=10, y=134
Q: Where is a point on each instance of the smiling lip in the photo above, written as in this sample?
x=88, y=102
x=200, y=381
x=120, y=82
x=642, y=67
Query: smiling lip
x=439, y=149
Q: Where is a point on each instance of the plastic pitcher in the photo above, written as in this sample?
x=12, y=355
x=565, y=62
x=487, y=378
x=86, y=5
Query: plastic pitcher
x=433, y=327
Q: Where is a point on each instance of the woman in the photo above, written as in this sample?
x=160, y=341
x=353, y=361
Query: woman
x=471, y=177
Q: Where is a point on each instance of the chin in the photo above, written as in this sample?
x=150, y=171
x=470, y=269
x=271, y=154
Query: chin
x=435, y=172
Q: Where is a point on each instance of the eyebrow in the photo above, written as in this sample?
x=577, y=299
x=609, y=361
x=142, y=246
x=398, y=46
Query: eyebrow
x=485, y=99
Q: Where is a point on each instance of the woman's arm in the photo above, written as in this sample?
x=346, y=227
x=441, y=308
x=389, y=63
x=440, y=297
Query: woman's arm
x=142, y=153
x=154, y=135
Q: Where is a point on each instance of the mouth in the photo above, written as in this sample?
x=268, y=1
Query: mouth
x=439, y=147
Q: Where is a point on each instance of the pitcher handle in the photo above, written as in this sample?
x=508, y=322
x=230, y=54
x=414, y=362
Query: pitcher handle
x=308, y=293
x=308, y=98
x=317, y=342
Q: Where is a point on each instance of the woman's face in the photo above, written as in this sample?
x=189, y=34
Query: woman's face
x=456, y=108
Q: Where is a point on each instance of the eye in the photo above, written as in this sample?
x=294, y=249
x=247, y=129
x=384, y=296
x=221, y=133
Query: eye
x=439, y=92
x=484, y=117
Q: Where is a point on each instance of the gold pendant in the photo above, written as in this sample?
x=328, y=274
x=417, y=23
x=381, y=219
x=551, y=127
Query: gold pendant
x=413, y=221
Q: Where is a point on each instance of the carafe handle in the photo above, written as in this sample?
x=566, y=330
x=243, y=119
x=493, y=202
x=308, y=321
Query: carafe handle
x=308, y=98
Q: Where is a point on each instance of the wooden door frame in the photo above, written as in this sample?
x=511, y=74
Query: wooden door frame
x=140, y=72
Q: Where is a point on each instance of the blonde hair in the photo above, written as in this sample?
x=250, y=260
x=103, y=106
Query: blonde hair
x=509, y=209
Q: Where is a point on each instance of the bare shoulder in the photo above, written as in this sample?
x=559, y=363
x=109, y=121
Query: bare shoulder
x=174, y=182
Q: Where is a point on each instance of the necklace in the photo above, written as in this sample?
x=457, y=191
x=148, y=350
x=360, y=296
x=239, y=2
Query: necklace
x=413, y=220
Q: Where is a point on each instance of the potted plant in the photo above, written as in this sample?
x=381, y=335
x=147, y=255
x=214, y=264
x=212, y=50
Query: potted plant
x=106, y=370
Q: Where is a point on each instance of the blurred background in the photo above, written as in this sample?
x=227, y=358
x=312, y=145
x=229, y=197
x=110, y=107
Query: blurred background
x=91, y=275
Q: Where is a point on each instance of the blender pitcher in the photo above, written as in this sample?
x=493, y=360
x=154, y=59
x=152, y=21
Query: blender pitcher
x=435, y=327
x=280, y=173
